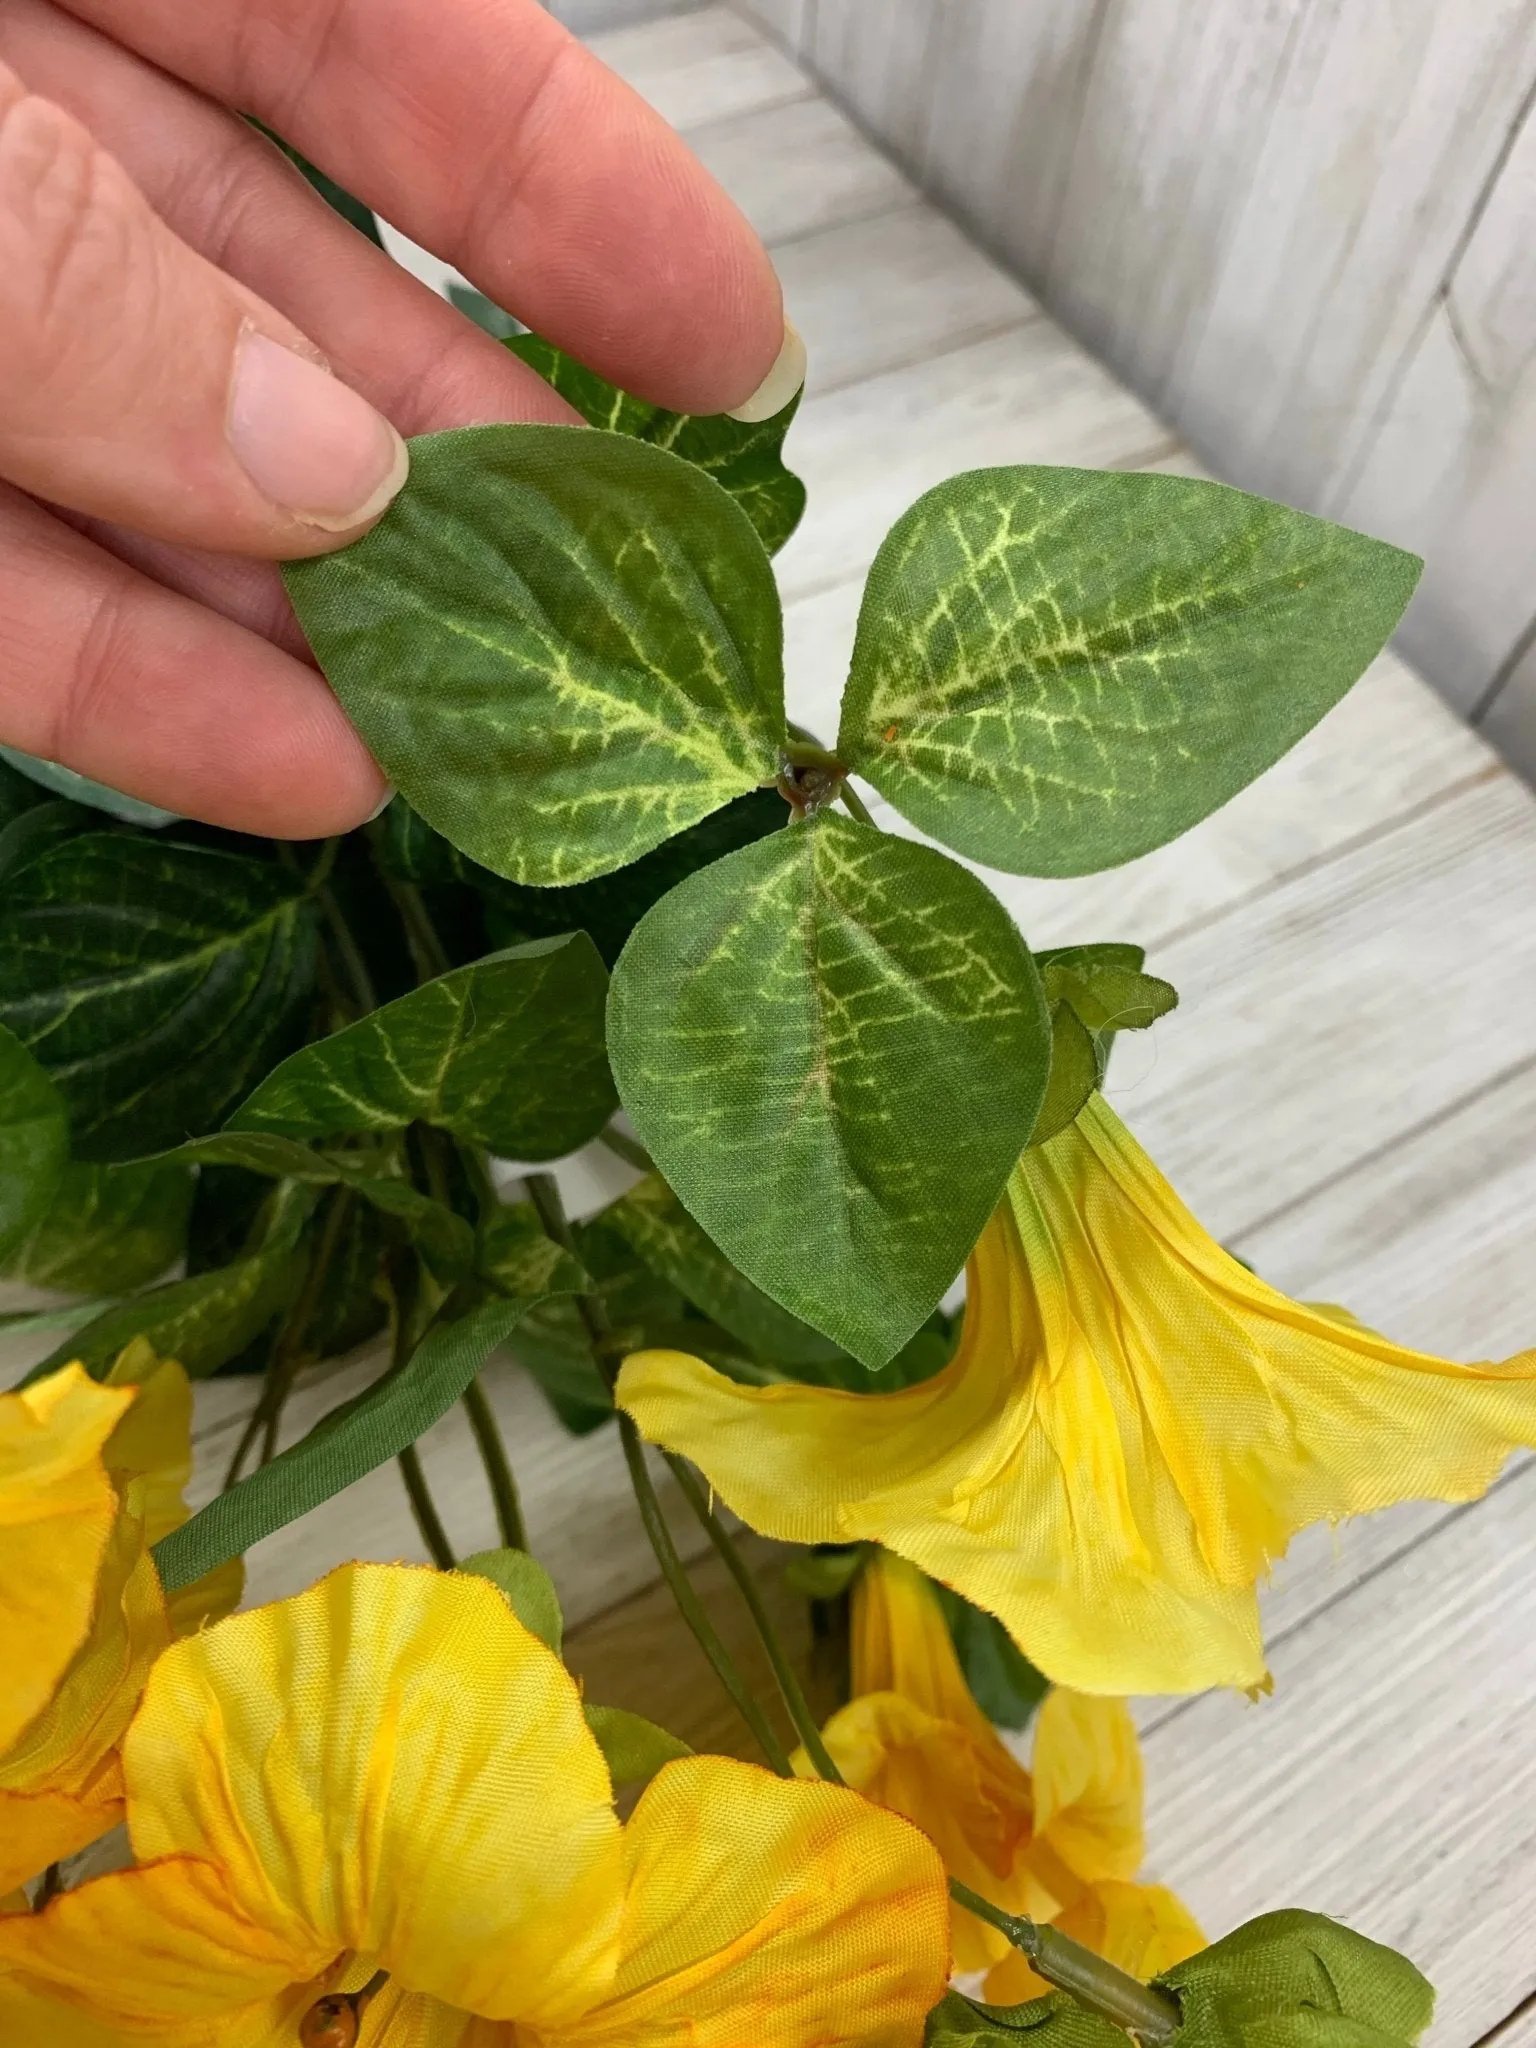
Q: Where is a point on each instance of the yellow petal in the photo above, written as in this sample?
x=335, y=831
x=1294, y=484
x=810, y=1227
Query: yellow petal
x=39, y=1828
x=900, y=1642
x=404, y=2019
x=57, y=1507
x=391, y=1763
x=153, y=1442
x=774, y=1913
x=1089, y=1789
x=1132, y=1430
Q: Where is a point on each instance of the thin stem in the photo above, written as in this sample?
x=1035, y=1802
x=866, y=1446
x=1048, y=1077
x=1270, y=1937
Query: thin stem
x=688, y=1601
x=424, y=1508
x=783, y=1670
x=629, y=1149
x=498, y=1467
x=856, y=805
x=427, y=950
x=1112, y=1993
x=349, y=953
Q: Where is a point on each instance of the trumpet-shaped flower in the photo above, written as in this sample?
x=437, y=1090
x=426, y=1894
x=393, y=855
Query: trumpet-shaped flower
x=390, y=1773
x=1063, y=1843
x=90, y=1476
x=1133, y=1428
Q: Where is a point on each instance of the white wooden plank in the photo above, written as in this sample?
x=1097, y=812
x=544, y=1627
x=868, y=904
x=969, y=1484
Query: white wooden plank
x=1390, y=1781
x=1345, y=1007
x=1031, y=395
x=796, y=169
x=873, y=295
x=784, y=20
x=1510, y=722
x=593, y=17
x=708, y=66
x=1517, y=2031
x=877, y=60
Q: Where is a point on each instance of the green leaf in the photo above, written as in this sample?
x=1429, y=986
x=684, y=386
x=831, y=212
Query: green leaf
x=834, y=1044
x=516, y=1257
x=205, y=1321
x=108, y=1229
x=506, y=1053
x=562, y=646
x=351, y=1441
x=154, y=980
x=477, y=307
x=1055, y=2021
x=747, y=461
x=1297, y=1980
x=34, y=1141
x=335, y=196
x=30, y=834
x=79, y=789
x=18, y=793
x=655, y=1224
x=828, y=1571
x=1074, y=1073
x=445, y=1240
x=634, y=1749
x=1003, y=1682
x=1058, y=669
x=529, y=1589
x=352, y=1306
x=553, y=1345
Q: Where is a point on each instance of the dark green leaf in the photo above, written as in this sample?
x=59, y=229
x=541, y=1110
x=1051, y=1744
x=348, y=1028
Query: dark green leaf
x=477, y=307
x=79, y=789
x=517, y=1258
x=1297, y=1980
x=634, y=1749
x=562, y=646
x=506, y=1053
x=203, y=1322
x=226, y=1209
x=834, y=1044
x=31, y=832
x=18, y=793
x=1074, y=1073
x=155, y=981
x=108, y=1229
x=335, y=196
x=34, y=1141
x=655, y=1224
x=553, y=1344
x=1059, y=669
x=529, y=1589
x=748, y=461
x=351, y=1441
x=352, y=1306
x=1003, y=1682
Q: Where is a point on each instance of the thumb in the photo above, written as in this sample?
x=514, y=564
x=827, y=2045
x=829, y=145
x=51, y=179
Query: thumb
x=140, y=384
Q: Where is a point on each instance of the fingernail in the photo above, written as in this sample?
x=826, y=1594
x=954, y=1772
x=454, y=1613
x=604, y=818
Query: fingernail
x=306, y=442
x=780, y=384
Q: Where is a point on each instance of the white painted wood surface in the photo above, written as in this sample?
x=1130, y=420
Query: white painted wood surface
x=1348, y=1091
x=1304, y=230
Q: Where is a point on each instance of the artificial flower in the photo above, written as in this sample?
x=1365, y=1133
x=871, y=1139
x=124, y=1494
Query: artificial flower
x=391, y=1774
x=1061, y=1844
x=1133, y=1428
x=90, y=1476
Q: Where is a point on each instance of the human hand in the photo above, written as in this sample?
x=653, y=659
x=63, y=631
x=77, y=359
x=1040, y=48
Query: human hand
x=170, y=288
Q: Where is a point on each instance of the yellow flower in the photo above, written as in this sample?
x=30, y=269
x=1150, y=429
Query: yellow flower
x=1132, y=1430
x=1063, y=1845
x=90, y=1476
x=391, y=1773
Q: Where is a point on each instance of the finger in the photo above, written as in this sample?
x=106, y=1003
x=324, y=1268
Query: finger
x=226, y=191
x=142, y=385
x=140, y=688
x=485, y=131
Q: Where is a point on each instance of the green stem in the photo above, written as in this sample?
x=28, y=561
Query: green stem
x=689, y=1604
x=498, y=1467
x=349, y=953
x=783, y=1670
x=1112, y=1993
x=424, y=1508
x=629, y=1149
x=856, y=805
x=428, y=953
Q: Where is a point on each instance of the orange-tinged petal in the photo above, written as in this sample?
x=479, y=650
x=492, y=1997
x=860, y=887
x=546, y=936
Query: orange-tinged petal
x=39, y=1828
x=1133, y=1428
x=771, y=1912
x=1089, y=1786
x=57, y=1507
x=1142, y=1928
x=392, y=1764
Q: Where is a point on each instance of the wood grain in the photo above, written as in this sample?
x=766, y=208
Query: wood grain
x=794, y=170
x=700, y=67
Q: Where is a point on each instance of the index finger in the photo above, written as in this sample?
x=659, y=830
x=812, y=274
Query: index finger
x=486, y=132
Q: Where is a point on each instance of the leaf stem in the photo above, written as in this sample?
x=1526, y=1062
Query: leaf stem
x=856, y=806
x=424, y=1508
x=624, y=1147
x=689, y=1604
x=428, y=953
x=783, y=1670
x=498, y=1466
x=348, y=952
x=1099, y=1985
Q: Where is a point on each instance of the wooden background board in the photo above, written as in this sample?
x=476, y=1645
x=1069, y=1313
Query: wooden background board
x=1348, y=1091
x=1303, y=231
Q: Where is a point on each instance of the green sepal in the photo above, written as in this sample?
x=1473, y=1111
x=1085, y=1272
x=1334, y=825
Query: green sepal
x=1055, y=2021
x=745, y=460
x=529, y=1590
x=347, y=1444
x=634, y=1749
x=1059, y=669
x=157, y=981
x=1075, y=1073
x=1004, y=1684
x=834, y=1044
x=827, y=1571
x=34, y=1141
x=507, y=1052
x=1094, y=993
x=562, y=646
x=1297, y=1980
